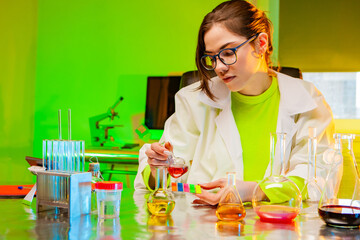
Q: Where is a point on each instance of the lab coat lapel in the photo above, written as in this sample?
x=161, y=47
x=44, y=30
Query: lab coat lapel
x=225, y=122
x=227, y=128
x=294, y=99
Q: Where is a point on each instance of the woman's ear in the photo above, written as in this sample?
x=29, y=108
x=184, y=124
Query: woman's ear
x=261, y=43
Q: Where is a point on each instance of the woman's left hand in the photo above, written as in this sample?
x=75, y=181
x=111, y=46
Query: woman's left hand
x=244, y=188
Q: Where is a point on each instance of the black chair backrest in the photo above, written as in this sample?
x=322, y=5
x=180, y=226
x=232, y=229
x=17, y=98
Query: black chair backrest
x=192, y=76
x=292, y=72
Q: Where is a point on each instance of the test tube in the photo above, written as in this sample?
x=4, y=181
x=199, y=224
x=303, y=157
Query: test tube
x=71, y=155
x=49, y=154
x=67, y=158
x=44, y=154
x=77, y=155
x=56, y=154
x=60, y=168
x=83, y=155
x=65, y=155
x=60, y=155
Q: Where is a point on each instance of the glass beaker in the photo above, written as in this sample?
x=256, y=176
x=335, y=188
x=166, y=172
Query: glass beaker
x=339, y=205
x=161, y=201
x=230, y=206
x=277, y=198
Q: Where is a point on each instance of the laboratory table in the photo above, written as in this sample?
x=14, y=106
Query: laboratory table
x=187, y=221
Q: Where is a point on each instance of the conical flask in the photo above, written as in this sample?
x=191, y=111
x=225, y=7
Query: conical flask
x=230, y=206
x=277, y=198
x=161, y=201
x=313, y=185
x=339, y=205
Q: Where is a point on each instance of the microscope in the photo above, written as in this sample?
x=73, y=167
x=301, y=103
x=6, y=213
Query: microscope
x=102, y=135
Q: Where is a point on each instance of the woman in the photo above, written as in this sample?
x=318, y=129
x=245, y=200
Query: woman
x=223, y=124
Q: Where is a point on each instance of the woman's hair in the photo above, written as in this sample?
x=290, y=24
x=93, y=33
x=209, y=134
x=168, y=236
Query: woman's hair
x=239, y=17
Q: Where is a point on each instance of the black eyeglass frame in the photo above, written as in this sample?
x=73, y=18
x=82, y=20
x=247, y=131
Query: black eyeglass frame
x=225, y=49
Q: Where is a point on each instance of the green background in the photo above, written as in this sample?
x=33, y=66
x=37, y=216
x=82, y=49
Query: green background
x=84, y=55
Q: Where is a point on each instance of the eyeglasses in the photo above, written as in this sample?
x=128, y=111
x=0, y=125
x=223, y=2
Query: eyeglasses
x=227, y=56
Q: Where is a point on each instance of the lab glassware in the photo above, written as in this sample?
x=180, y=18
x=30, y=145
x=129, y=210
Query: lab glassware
x=313, y=184
x=94, y=168
x=64, y=155
x=277, y=198
x=177, y=166
x=108, y=198
x=339, y=205
x=161, y=201
x=230, y=207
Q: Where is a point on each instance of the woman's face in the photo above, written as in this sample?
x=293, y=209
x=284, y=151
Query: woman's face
x=240, y=76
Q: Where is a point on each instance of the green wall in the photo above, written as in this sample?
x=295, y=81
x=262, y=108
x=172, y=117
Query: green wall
x=18, y=26
x=272, y=9
x=84, y=55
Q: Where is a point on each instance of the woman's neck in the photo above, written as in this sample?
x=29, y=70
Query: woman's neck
x=259, y=82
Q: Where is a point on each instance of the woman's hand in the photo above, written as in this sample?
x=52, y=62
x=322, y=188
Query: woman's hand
x=157, y=156
x=244, y=188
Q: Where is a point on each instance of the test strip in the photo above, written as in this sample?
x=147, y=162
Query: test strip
x=197, y=189
x=186, y=187
x=174, y=187
x=180, y=187
x=192, y=188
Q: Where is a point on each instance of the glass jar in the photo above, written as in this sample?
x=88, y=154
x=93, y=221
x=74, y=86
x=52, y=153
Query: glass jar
x=277, y=198
x=108, y=195
x=161, y=201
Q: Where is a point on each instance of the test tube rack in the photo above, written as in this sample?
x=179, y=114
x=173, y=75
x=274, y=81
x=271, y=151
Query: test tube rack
x=63, y=193
x=64, y=187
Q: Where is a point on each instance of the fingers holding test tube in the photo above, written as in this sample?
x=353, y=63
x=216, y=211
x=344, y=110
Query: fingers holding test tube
x=158, y=154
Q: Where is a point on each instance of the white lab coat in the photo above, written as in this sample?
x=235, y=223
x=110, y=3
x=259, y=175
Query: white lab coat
x=204, y=132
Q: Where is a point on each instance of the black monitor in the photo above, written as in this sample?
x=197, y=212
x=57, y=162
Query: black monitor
x=160, y=102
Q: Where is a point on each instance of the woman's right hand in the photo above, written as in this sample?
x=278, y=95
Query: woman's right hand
x=157, y=156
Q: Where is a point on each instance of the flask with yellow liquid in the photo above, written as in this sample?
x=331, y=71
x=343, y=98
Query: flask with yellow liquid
x=161, y=201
